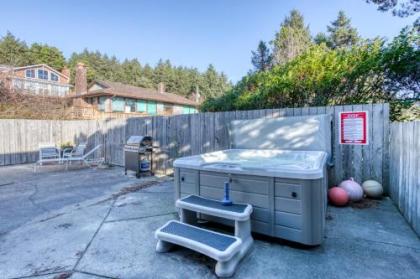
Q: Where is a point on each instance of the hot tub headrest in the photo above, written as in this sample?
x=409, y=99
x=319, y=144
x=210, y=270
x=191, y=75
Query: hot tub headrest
x=312, y=132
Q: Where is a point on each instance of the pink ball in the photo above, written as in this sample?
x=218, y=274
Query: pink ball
x=338, y=196
x=353, y=189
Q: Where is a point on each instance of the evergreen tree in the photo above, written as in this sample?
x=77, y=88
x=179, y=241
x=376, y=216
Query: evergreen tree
x=13, y=51
x=213, y=84
x=406, y=7
x=146, y=79
x=292, y=39
x=163, y=72
x=45, y=54
x=179, y=80
x=115, y=71
x=131, y=72
x=196, y=79
x=182, y=81
x=322, y=38
x=342, y=34
x=261, y=58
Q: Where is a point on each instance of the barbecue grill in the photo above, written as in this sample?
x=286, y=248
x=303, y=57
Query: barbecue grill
x=138, y=155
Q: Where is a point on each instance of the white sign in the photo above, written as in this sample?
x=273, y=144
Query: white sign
x=353, y=127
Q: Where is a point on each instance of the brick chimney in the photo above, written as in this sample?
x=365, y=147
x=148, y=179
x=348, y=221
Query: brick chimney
x=80, y=86
x=161, y=87
x=66, y=71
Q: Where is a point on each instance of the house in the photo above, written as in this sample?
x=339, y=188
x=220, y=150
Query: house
x=39, y=79
x=107, y=96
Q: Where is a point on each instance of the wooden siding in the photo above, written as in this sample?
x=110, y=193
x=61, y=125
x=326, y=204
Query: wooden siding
x=404, y=170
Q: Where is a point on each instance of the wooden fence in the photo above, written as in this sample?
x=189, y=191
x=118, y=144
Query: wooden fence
x=404, y=170
x=191, y=134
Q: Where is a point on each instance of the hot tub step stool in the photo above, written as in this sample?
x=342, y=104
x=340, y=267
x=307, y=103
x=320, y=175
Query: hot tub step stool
x=221, y=247
x=226, y=249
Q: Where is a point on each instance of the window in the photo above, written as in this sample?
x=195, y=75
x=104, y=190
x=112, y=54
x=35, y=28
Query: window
x=151, y=108
x=160, y=108
x=141, y=106
x=42, y=74
x=186, y=110
x=101, y=103
x=131, y=105
x=118, y=104
x=30, y=73
x=168, y=109
x=54, y=77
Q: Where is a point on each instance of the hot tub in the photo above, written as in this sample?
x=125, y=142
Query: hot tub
x=287, y=187
x=275, y=163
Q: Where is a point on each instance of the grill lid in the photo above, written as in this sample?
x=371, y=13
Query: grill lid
x=139, y=140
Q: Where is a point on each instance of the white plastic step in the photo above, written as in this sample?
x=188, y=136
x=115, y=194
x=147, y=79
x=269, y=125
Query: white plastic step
x=236, y=211
x=221, y=247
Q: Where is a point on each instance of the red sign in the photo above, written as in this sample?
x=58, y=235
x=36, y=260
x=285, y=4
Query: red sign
x=354, y=127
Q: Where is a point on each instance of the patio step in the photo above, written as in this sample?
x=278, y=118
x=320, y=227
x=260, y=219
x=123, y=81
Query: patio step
x=237, y=212
x=227, y=250
x=218, y=246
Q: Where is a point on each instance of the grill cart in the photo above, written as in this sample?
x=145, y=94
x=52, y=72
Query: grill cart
x=138, y=153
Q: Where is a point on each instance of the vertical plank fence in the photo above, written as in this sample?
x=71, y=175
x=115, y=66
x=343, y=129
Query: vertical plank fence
x=404, y=170
x=183, y=135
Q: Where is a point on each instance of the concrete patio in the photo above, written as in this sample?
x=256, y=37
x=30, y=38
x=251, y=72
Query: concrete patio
x=98, y=223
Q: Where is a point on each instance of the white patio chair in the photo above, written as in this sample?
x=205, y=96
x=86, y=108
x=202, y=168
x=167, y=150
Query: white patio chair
x=48, y=153
x=79, y=151
x=83, y=158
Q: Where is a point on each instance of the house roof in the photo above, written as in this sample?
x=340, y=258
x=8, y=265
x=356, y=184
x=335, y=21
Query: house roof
x=109, y=88
x=4, y=67
x=41, y=65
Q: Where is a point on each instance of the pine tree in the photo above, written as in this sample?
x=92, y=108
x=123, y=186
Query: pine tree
x=13, y=51
x=292, y=39
x=405, y=8
x=163, y=73
x=131, y=72
x=342, y=34
x=146, y=79
x=213, y=84
x=261, y=58
x=322, y=38
x=45, y=54
x=179, y=80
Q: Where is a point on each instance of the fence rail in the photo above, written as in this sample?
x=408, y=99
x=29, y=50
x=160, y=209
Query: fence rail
x=404, y=170
x=191, y=134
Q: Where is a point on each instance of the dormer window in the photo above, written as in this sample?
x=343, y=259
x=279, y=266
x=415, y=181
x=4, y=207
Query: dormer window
x=42, y=74
x=54, y=77
x=30, y=73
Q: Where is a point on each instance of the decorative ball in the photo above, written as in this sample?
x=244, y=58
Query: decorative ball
x=338, y=196
x=372, y=189
x=353, y=189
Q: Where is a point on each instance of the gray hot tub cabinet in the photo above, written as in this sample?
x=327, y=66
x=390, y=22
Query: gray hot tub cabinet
x=287, y=208
x=291, y=209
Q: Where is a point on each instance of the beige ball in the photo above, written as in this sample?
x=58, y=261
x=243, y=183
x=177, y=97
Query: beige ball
x=372, y=189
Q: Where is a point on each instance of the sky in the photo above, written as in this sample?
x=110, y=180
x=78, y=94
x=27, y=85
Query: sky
x=187, y=32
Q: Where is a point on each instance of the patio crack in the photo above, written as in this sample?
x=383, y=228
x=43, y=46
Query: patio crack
x=376, y=241
x=31, y=198
x=94, y=274
x=33, y=276
x=139, y=218
x=94, y=235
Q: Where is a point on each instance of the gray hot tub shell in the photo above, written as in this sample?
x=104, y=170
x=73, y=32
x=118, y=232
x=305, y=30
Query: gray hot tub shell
x=287, y=188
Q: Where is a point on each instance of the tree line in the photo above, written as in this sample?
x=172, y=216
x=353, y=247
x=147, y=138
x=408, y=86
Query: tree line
x=177, y=79
x=336, y=67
